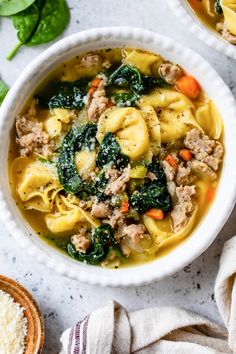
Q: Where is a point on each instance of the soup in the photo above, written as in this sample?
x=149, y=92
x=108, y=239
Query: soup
x=219, y=15
x=116, y=157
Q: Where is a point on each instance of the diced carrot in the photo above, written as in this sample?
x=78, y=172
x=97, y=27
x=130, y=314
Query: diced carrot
x=95, y=82
x=156, y=214
x=210, y=195
x=93, y=86
x=185, y=154
x=124, y=206
x=171, y=161
x=189, y=86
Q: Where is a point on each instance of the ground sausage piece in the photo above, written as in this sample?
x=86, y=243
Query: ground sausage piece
x=227, y=35
x=91, y=60
x=183, y=207
x=100, y=210
x=169, y=171
x=170, y=73
x=112, y=174
x=135, y=232
x=32, y=137
x=205, y=150
x=80, y=241
x=151, y=176
x=114, y=219
x=99, y=100
x=202, y=169
x=119, y=184
x=184, y=176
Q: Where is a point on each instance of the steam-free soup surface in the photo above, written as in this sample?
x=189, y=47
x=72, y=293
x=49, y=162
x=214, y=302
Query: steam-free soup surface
x=116, y=157
x=218, y=15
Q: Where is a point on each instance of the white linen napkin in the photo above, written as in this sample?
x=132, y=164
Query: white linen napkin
x=112, y=330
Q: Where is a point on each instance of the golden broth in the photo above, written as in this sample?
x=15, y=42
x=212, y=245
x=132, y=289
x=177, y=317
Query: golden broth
x=71, y=71
x=210, y=20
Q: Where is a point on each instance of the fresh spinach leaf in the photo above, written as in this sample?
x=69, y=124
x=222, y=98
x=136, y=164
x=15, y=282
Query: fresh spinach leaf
x=129, y=77
x=3, y=91
x=102, y=241
x=78, y=138
x=125, y=99
x=11, y=7
x=64, y=94
x=153, y=194
x=110, y=152
x=218, y=7
x=40, y=23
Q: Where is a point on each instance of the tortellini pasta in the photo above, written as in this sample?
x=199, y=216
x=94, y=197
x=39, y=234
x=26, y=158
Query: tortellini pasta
x=143, y=61
x=39, y=184
x=172, y=106
x=229, y=9
x=129, y=127
x=209, y=118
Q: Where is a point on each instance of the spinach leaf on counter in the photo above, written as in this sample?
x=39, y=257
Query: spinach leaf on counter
x=102, y=242
x=40, y=23
x=11, y=7
x=64, y=94
x=110, y=152
x=77, y=139
x=129, y=77
x=153, y=194
x=3, y=91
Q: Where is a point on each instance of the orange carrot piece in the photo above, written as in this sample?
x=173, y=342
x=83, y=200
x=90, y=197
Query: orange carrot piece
x=189, y=86
x=95, y=82
x=124, y=206
x=93, y=86
x=185, y=154
x=210, y=195
x=156, y=214
x=171, y=161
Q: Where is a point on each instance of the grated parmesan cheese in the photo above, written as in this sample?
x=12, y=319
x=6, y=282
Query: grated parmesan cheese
x=13, y=325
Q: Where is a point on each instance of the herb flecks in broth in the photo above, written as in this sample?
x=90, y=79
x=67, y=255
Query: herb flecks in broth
x=116, y=159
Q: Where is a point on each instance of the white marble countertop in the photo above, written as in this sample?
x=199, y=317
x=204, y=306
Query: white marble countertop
x=64, y=301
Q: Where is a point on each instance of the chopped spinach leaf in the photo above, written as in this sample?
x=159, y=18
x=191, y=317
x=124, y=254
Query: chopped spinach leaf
x=218, y=7
x=64, y=94
x=102, y=241
x=125, y=99
x=78, y=138
x=110, y=152
x=127, y=76
x=153, y=194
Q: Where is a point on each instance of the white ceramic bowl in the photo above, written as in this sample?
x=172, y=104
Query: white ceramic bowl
x=202, y=237
x=183, y=11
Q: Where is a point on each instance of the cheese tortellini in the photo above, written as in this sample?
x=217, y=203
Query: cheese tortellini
x=229, y=10
x=130, y=130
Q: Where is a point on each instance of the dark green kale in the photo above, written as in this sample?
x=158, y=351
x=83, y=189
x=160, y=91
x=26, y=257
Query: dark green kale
x=64, y=94
x=153, y=194
x=110, y=152
x=124, y=99
x=77, y=139
x=218, y=7
x=102, y=242
x=98, y=187
x=129, y=77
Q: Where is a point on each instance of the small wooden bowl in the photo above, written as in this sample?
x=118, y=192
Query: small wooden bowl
x=35, y=334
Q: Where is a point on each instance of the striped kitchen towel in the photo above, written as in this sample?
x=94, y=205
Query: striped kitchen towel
x=112, y=330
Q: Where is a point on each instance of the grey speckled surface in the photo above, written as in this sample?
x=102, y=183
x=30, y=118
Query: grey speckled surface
x=63, y=301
